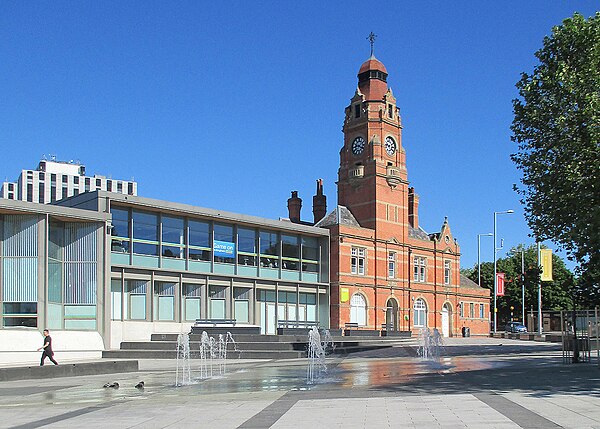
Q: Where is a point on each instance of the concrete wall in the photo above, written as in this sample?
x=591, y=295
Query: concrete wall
x=19, y=346
x=141, y=331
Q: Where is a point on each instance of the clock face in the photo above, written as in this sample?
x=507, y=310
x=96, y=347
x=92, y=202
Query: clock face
x=390, y=146
x=358, y=145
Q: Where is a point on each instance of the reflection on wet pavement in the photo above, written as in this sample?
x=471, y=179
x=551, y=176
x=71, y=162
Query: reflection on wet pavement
x=267, y=377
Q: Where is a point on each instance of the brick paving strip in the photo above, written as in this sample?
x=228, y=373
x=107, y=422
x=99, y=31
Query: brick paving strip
x=270, y=414
x=66, y=416
x=520, y=415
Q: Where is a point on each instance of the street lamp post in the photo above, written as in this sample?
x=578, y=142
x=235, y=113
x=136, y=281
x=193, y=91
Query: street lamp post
x=495, y=278
x=487, y=234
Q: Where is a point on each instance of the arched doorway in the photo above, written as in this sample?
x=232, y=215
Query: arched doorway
x=446, y=319
x=358, y=309
x=391, y=315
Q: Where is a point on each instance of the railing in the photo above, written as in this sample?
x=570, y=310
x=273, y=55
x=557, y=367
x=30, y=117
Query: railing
x=215, y=322
x=393, y=176
x=296, y=323
x=357, y=172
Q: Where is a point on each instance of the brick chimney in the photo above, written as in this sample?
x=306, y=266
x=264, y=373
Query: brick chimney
x=294, y=206
x=319, y=202
x=413, y=208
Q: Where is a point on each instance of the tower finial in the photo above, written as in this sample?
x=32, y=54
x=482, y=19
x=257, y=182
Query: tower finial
x=372, y=36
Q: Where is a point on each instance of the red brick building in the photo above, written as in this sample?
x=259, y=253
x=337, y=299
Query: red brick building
x=387, y=273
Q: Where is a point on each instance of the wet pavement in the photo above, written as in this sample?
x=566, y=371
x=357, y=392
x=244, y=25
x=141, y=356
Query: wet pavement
x=476, y=383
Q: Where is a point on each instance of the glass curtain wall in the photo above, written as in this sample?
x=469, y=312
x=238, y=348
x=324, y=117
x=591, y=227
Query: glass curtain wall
x=19, y=270
x=307, y=307
x=135, y=299
x=79, y=274
x=192, y=295
x=310, y=254
x=290, y=252
x=145, y=233
x=121, y=240
x=286, y=308
x=173, y=244
x=56, y=243
x=116, y=299
x=200, y=242
x=224, y=244
x=241, y=309
x=217, y=295
x=247, y=247
x=152, y=234
x=164, y=301
x=269, y=249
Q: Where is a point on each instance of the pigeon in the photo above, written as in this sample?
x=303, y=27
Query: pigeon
x=140, y=385
x=113, y=385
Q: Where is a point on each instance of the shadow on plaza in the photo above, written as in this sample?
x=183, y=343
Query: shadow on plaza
x=532, y=376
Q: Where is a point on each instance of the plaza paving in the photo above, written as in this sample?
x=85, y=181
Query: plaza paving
x=479, y=383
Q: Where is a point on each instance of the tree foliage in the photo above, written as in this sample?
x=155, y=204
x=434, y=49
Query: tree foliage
x=557, y=128
x=556, y=295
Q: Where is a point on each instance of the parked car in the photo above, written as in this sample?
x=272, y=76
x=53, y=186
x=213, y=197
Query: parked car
x=515, y=327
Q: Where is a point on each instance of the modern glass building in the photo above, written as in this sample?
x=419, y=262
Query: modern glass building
x=100, y=268
x=171, y=264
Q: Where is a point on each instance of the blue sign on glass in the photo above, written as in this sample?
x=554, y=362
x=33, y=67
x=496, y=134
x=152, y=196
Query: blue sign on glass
x=224, y=249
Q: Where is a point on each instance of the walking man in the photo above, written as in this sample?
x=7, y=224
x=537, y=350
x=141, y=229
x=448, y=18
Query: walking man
x=47, y=349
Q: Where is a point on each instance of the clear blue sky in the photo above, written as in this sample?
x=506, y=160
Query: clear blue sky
x=231, y=105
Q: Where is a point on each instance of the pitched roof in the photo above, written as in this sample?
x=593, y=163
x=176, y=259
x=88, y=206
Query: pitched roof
x=338, y=216
x=418, y=233
x=468, y=283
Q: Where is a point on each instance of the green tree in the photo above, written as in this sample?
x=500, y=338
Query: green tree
x=556, y=295
x=557, y=128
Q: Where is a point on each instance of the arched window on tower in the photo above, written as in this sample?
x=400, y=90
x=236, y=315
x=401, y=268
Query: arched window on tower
x=420, y=312
x=358, y=309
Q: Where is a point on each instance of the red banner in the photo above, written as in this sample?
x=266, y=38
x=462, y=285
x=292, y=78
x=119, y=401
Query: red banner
x=499, y=284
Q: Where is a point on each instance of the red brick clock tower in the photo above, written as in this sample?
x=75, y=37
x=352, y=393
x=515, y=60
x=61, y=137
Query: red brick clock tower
x=387, y=274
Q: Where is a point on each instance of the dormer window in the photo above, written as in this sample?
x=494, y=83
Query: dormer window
x=390, y=111
x=357, y=110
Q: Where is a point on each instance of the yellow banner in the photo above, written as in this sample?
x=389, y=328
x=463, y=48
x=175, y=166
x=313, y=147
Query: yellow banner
x=546, y=263
x=344, y=294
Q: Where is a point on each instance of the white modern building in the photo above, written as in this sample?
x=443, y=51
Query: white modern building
x=55, y=180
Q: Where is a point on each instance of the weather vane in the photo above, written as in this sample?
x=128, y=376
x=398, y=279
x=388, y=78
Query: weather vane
x=371, y=39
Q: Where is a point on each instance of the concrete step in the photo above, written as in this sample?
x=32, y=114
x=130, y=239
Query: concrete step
x=234, y=330
x=172, y=354
x=529, y=336
x=245, y=338
x=348, y=349
x=195, y=346
x=68, y=370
